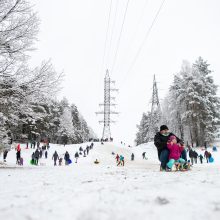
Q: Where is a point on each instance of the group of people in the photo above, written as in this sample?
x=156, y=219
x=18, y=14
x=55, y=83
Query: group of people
x=120, y=160
x=67, y=158
x=170, y=149
x=38, y=154
x=194, y=156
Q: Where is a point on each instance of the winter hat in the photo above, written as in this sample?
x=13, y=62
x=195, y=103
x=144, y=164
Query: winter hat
x=172, y=137
x=163, y=127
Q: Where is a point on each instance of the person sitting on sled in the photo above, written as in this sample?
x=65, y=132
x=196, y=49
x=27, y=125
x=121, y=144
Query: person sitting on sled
x=175, y=152
x=96, y=161
x=160, y=141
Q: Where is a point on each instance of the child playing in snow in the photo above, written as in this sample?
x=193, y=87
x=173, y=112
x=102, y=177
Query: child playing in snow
x=175, y=152
x=60, y=161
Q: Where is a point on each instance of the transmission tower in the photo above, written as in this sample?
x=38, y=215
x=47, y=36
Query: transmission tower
x=106, y=134
x=155, y=114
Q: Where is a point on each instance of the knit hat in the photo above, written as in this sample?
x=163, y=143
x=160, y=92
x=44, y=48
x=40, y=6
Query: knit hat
x=163, y=127
x=172, y=137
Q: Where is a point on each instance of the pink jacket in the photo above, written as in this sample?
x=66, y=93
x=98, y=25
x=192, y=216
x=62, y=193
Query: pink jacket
x=175, y=151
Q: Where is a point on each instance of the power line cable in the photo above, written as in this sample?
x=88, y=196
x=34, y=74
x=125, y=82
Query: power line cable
x=106, y=36
x=137, y=26
x=143, y=42
x=119, y=39
x=113, y=27
x=105, y=45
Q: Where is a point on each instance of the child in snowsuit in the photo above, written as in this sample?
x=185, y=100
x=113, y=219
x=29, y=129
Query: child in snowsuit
x=60, y=161
x=76, y=156
x=201, y=158
x=117, y=158
x=175, y=153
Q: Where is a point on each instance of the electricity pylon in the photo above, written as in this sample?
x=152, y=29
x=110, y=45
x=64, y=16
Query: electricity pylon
x=155, y=114
x=107, y=112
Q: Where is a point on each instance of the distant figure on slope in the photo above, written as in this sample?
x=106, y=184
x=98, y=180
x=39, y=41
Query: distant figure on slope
x=121, y=161
x=33, y=159
x=21, y=161
x=195, y=156
x=46, y=154
x=191, y=155
x=117, y=158
x=96, y=161
x=132, y=156
x=84, y=152
x=60, y=161
x=175, y=153
x=5, y=155
x=207, y=155
x=40, y=153
x=144, y=155
x=36, y=156
x=18, y=154
x=87, y=150
x=55, y=158
x=201, y=158
x=160, y=141
x=76, y=156
x=66, y=158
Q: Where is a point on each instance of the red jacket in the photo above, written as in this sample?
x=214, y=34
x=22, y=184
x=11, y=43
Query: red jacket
x=175, y=151
x=18, y=147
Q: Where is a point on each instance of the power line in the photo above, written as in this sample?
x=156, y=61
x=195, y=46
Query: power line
x=106, y=36
x=119, y=39
x=113, y=27
x=105, y=45
x=143, y=42
x=136, y=28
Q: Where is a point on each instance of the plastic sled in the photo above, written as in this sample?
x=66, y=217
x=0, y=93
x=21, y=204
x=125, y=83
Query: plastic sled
x=32, y=162
x=211, y=160
x=69, y=161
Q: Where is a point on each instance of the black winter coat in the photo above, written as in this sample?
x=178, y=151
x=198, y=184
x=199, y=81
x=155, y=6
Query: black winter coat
x=160, y=141
x=55, y=156
x=66, y=156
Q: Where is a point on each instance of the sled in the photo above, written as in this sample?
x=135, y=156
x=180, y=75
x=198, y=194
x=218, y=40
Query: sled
x=211, y=160
x=69, y=161
x=32, y=162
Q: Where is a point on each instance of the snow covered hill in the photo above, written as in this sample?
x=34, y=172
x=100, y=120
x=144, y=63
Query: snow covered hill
x=89, y=191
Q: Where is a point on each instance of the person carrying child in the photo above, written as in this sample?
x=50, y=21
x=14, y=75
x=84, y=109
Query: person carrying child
x=175, y=153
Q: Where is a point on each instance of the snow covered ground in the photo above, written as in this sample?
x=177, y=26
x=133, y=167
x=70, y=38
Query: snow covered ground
x=86, y=191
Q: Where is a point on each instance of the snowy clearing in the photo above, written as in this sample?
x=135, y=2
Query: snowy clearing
x=104, y=191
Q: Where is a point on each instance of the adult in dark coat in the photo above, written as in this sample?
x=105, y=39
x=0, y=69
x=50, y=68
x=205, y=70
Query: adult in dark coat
x=18, y=157
x=55, y=157
x=160, y=141
x=5, y=155
x=191, y=155
x=36, y=155
x=195, y=156
x=67, y=158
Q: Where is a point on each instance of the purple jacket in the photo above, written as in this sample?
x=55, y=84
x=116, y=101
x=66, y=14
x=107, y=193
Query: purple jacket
x=175, y=151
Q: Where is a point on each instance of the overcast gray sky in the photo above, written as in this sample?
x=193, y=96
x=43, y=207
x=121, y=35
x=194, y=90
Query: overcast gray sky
x=73, y=33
